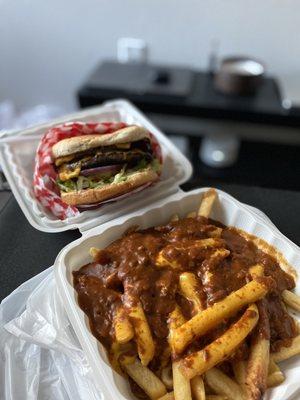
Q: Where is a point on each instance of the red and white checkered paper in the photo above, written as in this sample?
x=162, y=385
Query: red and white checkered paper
x=45, y=188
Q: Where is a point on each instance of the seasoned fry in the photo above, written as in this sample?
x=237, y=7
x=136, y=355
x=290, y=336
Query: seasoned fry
x=162, y=259
x=258, y=363
x=291, y=299
x=123, y=328
x=257, y=371
x=256, y=271
x=176, y=319
x=145, y=379
x=207, y=203
x=116, y=350
x=198, y=390
x=287, y=352
x=143, y=334
x=216, y=397
x=188, y=288
x=182, y=387
x=223, y=385
x=212, y=316
x=216, y=352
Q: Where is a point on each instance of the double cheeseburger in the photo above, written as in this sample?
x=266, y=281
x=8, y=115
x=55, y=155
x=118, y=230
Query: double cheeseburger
x=94, y=168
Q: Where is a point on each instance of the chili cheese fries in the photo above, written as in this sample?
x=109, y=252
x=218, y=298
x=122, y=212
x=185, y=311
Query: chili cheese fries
x=191, y=310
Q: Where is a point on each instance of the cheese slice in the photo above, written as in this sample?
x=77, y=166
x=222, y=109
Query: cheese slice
x=61, y=160
x=65, y=173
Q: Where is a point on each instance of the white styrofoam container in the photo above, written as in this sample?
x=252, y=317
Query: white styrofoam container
x=17, y=154
x=227, y=210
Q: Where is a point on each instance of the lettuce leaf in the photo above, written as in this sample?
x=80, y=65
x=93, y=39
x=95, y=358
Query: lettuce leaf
x=93, y=182
x=156, y=165
x=66, y=186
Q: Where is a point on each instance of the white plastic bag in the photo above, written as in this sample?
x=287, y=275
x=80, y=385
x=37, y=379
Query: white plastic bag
x=40, y=354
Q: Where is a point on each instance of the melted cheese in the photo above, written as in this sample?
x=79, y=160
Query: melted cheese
x=61, y=160
x=65, y=173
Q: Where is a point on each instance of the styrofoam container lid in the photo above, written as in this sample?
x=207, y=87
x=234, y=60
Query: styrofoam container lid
x=17, y=154
x=227, y=210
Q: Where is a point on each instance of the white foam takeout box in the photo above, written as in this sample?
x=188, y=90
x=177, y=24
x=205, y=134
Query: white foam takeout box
x=17, y=154
x=150, y=207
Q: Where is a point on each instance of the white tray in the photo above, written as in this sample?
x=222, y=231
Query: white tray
x=17, y=155
x=227, y=210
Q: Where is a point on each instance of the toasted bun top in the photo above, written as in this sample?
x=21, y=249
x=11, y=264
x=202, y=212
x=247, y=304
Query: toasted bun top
x=78, y=144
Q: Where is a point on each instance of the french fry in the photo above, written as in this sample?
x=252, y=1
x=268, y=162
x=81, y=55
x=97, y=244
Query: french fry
x=287, y=352
x=257, y=371
x=162, y=259
x=212, y=316
x=258, y=363
x=165, y=356
x=239, y=370
x=223, y=385
x=198, y=389
x=168, y=396
x=167, y=377
x=199, y=362
x=297, y=324
x=275, y=376
x=275, y=379
x=207, y=203
x=188, y=288
x=115, y=351
x=217, y=256
x=145, y=379
x=94, y=252
x=291, y=299
x=191, y=214
x=240, y=373
x=216, y=232
x=123, y=329
x=256, y=271
x=273, y=367
x=208, y=243
x=181, y=385
x=143, y=336
x=216, y=397
x=176, y=319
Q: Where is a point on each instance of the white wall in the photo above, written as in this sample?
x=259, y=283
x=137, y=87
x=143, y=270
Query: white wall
x=47, y=47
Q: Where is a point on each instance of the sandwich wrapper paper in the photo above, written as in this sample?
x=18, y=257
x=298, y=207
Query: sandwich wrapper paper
x=41, y=358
